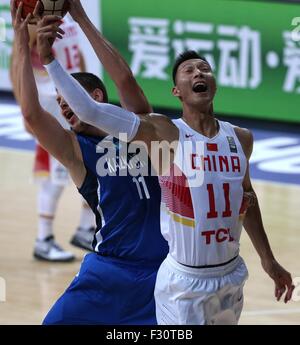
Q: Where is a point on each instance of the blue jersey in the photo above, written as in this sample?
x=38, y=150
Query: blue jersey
x=127, y=208
x=117, y=286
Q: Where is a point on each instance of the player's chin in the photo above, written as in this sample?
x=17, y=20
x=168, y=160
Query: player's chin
x=200, y=98
x=205, y=97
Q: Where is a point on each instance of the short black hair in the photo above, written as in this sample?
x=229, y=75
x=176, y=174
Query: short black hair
x=91, y=82
x=187, y=55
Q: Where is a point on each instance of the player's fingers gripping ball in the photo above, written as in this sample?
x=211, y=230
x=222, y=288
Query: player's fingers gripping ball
x=44, y=7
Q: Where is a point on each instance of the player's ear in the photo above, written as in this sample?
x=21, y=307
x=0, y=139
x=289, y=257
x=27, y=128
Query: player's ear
x=97, y=95
x=175, y=91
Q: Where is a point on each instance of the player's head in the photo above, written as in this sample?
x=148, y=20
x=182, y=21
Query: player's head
x=194, y=82
x=95, y=87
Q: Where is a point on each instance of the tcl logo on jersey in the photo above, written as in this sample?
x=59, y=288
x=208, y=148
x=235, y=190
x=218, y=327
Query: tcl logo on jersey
x=219, y=236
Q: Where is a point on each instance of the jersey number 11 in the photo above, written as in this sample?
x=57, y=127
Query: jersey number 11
x=141, y=184
x=212, y=204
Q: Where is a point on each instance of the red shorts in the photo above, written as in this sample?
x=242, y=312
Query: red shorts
x=41, y=162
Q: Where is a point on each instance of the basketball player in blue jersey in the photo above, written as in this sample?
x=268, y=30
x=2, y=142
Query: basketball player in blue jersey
x=201, y=280
x=115, y=284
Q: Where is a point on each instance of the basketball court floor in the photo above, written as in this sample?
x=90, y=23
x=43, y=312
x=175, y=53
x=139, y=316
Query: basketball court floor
x=28, y=288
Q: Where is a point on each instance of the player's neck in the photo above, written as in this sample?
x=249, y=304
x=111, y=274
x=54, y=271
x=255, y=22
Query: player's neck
x=202, y=120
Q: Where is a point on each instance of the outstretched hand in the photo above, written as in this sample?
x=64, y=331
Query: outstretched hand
x=19, y=24
x=282, y=279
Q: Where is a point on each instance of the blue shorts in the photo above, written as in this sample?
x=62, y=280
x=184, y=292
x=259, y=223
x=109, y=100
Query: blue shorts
x=107, y=291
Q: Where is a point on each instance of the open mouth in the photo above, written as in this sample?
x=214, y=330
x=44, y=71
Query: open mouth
x=200, y=87
x=68, y=115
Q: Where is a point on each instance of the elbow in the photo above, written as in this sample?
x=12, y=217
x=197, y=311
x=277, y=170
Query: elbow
x=28, y=128
x=27, y=116
x=29, y=113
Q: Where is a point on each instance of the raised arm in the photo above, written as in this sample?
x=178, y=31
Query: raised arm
x=45, y=127
x=131, y=95
x=14, y=59
x=13, y=72
x=14, y=68
x=254, y=227
x=109, y=118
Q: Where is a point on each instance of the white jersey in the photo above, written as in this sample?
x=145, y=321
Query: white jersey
x=66, y=51
x=202, y=223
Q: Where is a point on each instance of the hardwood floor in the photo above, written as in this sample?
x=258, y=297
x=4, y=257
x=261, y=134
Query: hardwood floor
x=32, y=287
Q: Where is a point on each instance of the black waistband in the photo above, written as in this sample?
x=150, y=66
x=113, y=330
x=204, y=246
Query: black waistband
x=211, y=266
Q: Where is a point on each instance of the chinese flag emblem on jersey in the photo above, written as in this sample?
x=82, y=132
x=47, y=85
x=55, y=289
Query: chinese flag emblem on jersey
x=212, y=147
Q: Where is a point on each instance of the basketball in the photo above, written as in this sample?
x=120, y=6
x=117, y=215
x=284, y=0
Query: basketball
x=49, y=7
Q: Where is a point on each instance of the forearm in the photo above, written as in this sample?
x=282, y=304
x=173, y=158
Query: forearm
x=131, y=96
x=14, y=66
x=27, y=91
x=254, y=227
x=82, y=63
x=111, y=119
x=15, y=63
x=112, y=61
x=37, y=120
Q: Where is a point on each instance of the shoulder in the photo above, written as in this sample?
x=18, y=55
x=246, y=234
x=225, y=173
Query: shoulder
x=245, y=137
x=158, y=127
x=155, y=120
x=155, y=117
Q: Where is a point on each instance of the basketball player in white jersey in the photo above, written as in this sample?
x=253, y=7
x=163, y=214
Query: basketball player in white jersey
x=201, y=281
x=52, y=176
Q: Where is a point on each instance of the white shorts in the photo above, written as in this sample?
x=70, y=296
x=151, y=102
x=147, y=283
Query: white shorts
x=196, y=296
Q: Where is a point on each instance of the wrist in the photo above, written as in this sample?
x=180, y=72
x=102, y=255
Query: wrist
x=46, y=60
x=22, y=46
x=23, y=49
x=267, y=260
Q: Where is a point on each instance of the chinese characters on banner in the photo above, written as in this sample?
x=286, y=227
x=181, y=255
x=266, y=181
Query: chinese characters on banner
x=238, y=48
